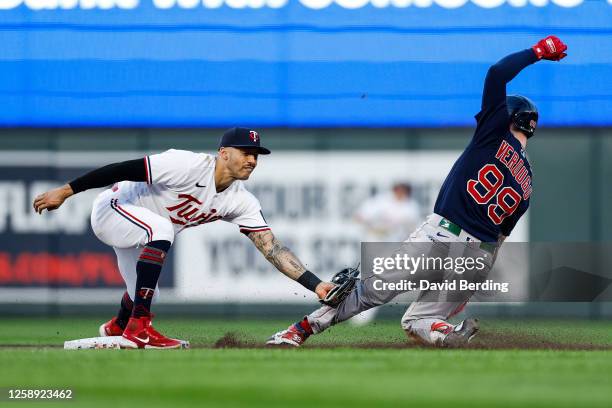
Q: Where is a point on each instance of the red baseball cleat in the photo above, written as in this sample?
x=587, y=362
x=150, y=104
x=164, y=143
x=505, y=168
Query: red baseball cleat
x=110, y=328
x=290, y=337
x=142, y=334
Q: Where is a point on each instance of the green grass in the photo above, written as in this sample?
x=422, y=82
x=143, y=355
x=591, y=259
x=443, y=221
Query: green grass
x=339, y=377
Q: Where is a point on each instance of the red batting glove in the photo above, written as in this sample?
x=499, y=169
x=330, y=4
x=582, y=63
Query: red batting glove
x=550, y=48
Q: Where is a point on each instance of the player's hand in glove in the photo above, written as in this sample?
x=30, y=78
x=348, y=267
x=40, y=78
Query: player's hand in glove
x=323, y=289
x=550, y=48
x=52, y=200
x=343, y=284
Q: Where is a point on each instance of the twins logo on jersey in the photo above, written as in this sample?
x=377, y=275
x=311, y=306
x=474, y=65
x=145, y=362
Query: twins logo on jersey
x=186, y=212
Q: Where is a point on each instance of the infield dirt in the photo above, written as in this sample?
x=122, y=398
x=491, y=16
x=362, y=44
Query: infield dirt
x=484, y=341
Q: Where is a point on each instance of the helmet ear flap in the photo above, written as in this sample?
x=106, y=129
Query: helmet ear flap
x=526, y=122
x=523, y=113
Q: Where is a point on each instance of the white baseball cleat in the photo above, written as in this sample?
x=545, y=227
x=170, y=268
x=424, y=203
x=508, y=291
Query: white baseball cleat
x=292, y=336
x=462, y=334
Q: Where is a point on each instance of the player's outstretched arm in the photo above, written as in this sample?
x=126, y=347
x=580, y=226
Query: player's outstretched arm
x=131, y=170
x=286, y=262
x=549, y=48
x=52, y=199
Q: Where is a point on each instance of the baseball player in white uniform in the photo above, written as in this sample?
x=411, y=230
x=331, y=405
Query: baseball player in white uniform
x=156, y=197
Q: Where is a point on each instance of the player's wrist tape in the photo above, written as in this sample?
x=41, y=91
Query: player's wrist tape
x=309, y=280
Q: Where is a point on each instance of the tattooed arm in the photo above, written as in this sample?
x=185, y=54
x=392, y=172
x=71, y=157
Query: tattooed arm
x=279, y=255
x=286, y=262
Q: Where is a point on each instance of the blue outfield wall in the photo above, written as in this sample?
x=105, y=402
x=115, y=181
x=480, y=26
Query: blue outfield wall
x=293, y=63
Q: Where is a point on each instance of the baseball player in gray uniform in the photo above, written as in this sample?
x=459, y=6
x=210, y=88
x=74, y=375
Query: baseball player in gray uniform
x=483, y=197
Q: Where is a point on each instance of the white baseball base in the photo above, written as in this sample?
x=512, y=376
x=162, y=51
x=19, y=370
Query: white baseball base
x=108, y=342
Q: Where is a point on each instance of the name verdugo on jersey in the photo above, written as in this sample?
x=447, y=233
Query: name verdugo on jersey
x=256, y=4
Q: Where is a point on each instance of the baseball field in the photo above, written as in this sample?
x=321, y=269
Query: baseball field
x=511, y=363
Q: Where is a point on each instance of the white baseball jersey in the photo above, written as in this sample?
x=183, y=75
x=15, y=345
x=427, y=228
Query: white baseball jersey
x=181, y=188
x=179, y=193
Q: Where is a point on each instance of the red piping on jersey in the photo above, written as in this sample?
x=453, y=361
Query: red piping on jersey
x=254, y=230
x=147, y=169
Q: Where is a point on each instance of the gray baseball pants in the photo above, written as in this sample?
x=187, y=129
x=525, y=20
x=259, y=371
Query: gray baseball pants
x=426, y=319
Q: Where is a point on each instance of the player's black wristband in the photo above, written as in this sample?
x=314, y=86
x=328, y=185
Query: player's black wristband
x=309, y=280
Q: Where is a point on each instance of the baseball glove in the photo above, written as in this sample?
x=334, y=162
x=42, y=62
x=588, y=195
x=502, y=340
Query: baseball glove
x=345, y=281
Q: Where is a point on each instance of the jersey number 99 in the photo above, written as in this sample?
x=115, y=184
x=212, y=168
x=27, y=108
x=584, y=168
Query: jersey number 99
x=490, y=179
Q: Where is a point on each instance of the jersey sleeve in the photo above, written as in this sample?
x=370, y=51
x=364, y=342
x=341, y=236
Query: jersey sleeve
x=248, y=215
x=501, y=73
x=493, y=117
x=172, y=168
x=131, y=170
